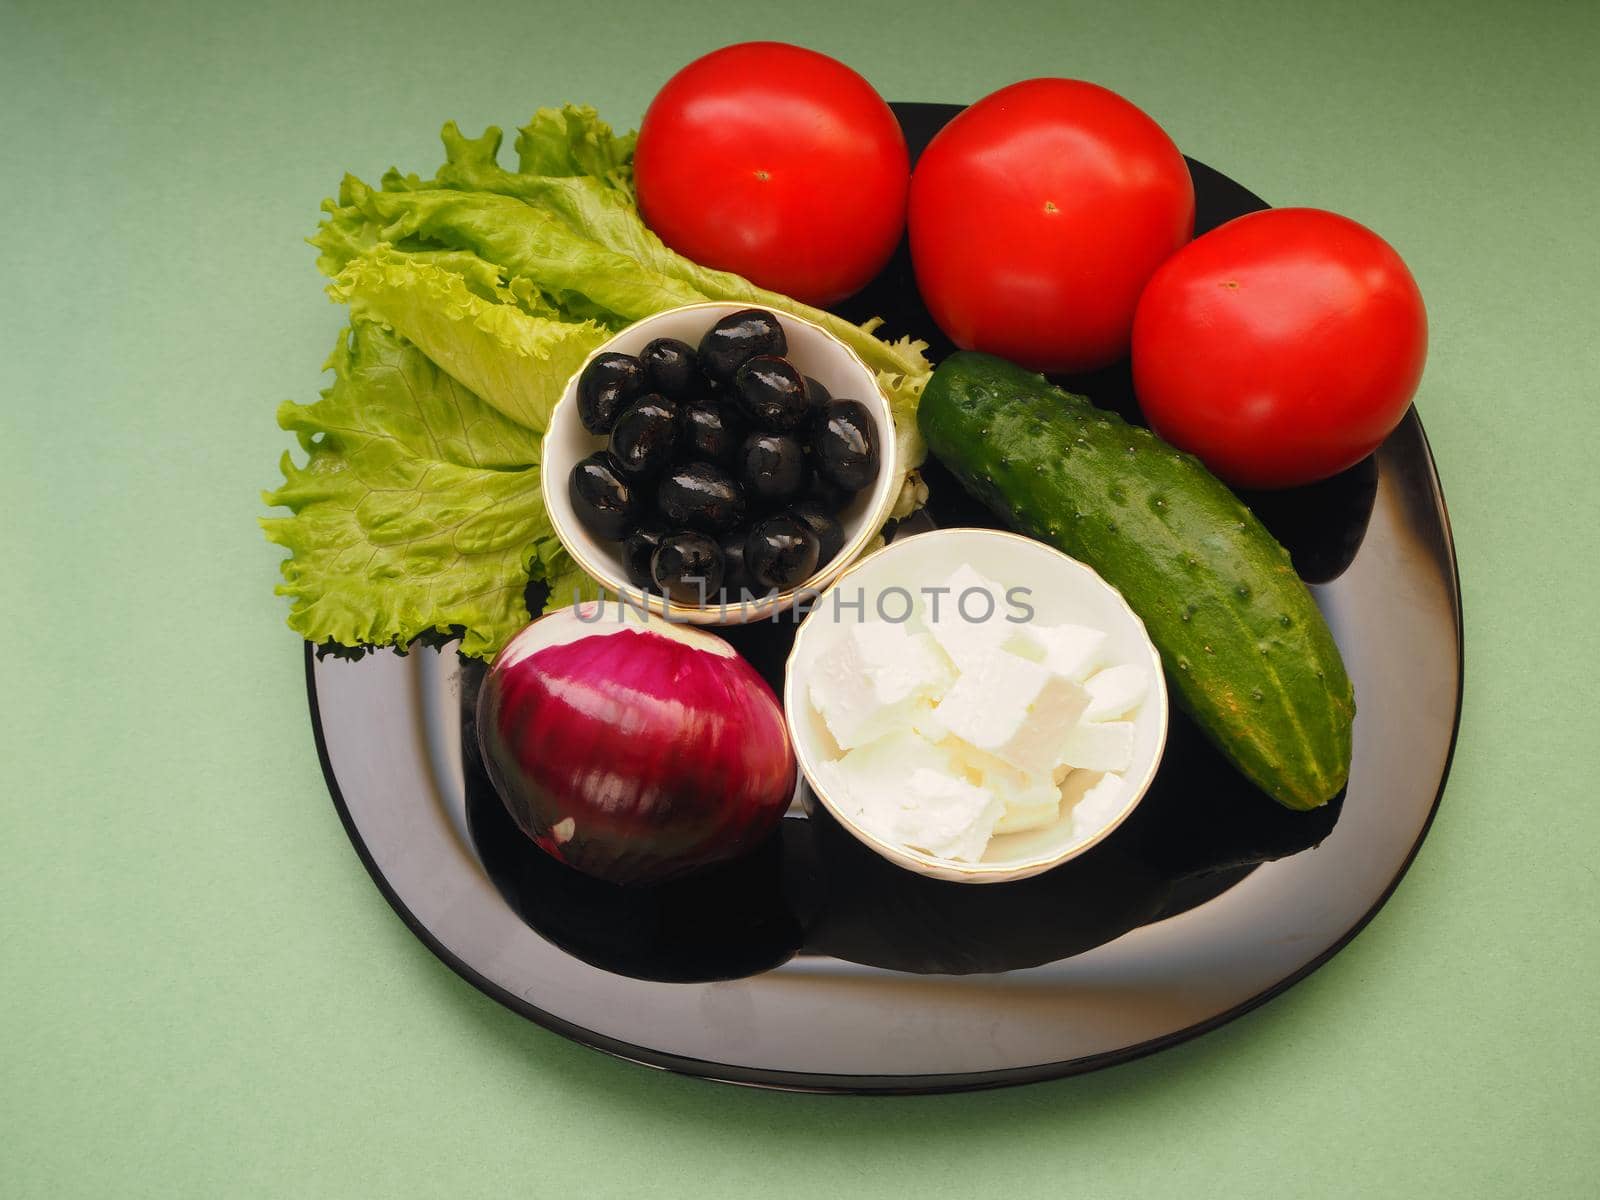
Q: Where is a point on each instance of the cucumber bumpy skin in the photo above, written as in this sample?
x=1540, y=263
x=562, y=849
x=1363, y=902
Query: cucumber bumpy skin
x=1247, y=652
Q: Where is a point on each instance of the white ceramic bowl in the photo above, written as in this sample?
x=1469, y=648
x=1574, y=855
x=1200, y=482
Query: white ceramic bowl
x=1063, y=591
x=814, y=352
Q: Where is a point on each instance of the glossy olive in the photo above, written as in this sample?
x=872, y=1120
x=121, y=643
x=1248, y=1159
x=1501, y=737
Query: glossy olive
x=688, y=567
x=734, y=575
x=819, y=396
x=645, y=436
x=781, y=553
x=709, y=431
x=829, y=494
x=772, y=467
x=607, y=386
x=845, y=445
x=737, y=338
x=672, y=367
x=639, y=547
x=700, y=496
x=601, y=497
x=817, y=517
x=773, y=394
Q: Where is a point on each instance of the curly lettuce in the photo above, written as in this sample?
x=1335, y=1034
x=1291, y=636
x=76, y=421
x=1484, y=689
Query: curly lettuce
x=417, y=510
x=517, y=362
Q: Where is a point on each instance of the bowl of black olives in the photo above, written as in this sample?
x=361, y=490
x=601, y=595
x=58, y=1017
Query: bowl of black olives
x=718, y=462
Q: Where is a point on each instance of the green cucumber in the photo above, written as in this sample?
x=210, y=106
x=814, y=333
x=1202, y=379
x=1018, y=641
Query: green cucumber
x=1246, y=651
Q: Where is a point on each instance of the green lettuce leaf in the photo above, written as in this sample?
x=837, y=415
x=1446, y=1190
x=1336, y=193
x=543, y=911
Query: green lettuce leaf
x=518, y=363
x=418, y=509
x=573, y=140
x=566, y=141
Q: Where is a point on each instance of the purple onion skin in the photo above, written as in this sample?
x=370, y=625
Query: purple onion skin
x=632, y=756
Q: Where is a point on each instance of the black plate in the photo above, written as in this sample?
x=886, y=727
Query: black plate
x=817, y=965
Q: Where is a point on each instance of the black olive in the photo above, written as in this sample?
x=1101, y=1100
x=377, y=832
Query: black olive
x=644, y=437
x=639, y=547
x=737, y=338
x=688, y=567
x=734, y=575
x=814, y=515
x=606, y=387
x=773, y=394
x=601, y=497
x=701, y=496
x=672, y=367
x=772, y=467
x=781, y=553
x=820, y=398
x=846, y=445
x=708, y=431
x=833, y=497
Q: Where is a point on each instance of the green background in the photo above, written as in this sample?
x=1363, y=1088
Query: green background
x=201, y=992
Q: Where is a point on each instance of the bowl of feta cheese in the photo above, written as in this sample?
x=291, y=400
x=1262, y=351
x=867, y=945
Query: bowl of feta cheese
x=975, y=706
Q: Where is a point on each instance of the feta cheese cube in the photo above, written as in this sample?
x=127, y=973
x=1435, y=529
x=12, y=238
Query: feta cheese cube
x=925, y=722
x=1013, y=709
x=967, y=642
x=1092, y=800
x=946, y=816
x=1026, y=817
x=1070, y=650
x=1099, y=746
x=1116, y=691
x=1030, y=801
x=885, y=763
x=874, y=678
x=908, y=791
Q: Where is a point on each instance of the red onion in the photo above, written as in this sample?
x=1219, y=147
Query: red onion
x=631, y=748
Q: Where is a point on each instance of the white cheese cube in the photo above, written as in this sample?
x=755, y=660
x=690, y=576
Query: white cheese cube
x=908, y=791
x=1013, y=709
x=925, y=722
x=1092, y=800
x=946, y=816
x=887, y=762
x=873, y=678
x=1116, y=691
x=1070, y=650
x=945, y=616
x=1026, y=817
x=1099, y=746
x=1031, y=801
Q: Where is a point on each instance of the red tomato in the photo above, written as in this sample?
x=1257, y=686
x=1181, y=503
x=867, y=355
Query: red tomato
x=1036, y=217
x=778, y=163
x=1281, y=347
